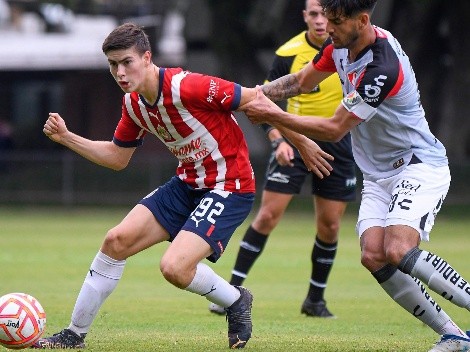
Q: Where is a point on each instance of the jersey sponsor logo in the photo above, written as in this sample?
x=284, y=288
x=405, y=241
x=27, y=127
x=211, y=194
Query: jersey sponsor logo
x=352, y=99
x=190, y=152
x=213, y=90
x=373, y=91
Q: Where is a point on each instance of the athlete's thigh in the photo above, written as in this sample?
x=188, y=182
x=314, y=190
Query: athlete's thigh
x=417, y=195
x=187, y=249
x=372, y=248
x=137, y=231
x=374, y=207
x=216, y=216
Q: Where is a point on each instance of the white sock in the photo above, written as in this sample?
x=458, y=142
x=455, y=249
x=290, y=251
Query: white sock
x=442, y=278
x=210, y=285
x=100, y=281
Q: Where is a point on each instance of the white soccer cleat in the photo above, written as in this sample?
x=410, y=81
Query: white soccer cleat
x=216, y=309
x=452, y=343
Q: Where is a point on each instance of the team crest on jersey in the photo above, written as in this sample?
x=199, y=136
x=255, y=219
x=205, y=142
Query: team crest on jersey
x=164, y=134
x=352, y=99
x=352, y=78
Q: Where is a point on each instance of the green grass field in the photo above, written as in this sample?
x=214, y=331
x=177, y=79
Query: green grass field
x=46, y=252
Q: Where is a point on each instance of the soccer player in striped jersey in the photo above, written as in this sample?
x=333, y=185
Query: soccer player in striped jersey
x=199, y=208
x=286, y=171
x=405, y=167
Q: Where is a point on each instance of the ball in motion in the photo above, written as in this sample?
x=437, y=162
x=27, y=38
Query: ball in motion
x=22, y=320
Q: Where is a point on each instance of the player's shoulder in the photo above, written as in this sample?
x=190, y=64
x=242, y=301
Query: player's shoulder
x=386, y=44
x=294, y=45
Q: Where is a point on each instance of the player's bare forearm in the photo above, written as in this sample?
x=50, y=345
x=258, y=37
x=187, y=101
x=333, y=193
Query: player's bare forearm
x=282, y=88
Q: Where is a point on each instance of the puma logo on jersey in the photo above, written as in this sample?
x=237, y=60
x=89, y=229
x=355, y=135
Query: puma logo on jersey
x=225, y=98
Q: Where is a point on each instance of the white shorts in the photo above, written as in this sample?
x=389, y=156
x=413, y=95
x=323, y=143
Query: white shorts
x=412, y=198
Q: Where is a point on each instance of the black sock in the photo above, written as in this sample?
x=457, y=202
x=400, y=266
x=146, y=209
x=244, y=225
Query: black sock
x=323, y=255
x=250, y=249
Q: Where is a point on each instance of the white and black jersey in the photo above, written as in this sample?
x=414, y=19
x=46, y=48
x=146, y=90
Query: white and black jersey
x=380, y=88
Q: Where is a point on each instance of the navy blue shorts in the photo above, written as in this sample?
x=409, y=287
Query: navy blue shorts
x=339, y=185
x=213, y=214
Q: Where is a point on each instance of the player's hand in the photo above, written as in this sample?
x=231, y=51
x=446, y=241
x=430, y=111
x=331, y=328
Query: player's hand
x=284, y=154
x=260, y=109
x=315, y=158
x=55, y=127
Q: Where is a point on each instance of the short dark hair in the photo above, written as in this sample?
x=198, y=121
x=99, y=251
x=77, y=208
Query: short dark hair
x=126, y=36
x=347, y=8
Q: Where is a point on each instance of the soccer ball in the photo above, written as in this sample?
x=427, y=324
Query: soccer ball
x=22, y=320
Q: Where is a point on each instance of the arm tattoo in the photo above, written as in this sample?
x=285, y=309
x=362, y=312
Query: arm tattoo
x=282, y=88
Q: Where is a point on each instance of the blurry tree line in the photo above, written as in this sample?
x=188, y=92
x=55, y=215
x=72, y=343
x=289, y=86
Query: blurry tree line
x=432, y=32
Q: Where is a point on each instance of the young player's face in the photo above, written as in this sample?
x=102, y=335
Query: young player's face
x=316, y=22
x=128, y=68
x=343, y=30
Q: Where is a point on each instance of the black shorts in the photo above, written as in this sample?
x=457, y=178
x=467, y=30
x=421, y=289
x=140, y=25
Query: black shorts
x=340, y=185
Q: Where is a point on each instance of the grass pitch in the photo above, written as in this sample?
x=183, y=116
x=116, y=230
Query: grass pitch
x=46, y=252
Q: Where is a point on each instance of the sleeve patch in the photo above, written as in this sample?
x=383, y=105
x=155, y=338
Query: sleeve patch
x=354, y=103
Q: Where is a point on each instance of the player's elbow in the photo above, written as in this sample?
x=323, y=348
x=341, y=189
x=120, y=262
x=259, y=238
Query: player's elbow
x=304, y=85
x=118, y=164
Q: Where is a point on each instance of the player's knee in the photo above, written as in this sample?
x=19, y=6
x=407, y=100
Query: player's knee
x=266, y=220
x=172, y=272
x=394, y=255
x=114, y=244
x=371, y=260
x=328, y=231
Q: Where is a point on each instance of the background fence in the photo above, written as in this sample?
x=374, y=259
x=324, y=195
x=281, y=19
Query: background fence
x=62, y=177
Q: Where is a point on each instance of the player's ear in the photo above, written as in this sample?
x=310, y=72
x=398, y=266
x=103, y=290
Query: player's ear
x=147, y=57
x=363, y=20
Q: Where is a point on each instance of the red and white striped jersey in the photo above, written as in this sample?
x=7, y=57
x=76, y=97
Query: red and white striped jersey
x=193, y=118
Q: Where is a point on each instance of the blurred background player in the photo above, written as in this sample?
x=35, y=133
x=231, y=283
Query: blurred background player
x=286, y=171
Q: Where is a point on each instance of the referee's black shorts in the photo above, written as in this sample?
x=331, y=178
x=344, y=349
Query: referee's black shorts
x=340, y=185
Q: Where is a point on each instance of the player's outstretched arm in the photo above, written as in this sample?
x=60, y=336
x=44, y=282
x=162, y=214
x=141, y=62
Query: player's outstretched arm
x=294, y=84
x=104, y=153
x=257, y=107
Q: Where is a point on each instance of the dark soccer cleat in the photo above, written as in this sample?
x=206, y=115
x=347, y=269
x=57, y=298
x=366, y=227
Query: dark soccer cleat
x=315, y=309
x=66, y=339
x=239, y=319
